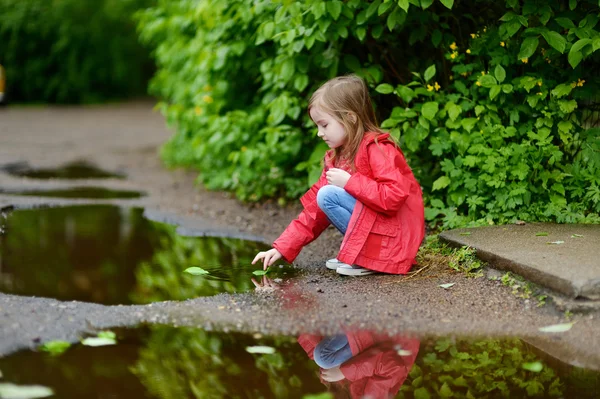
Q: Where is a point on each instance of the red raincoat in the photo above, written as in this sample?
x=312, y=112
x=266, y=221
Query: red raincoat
x=387, y=225
x=376, y=370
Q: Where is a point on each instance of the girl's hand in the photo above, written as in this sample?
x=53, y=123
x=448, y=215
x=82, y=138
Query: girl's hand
x=333, y=375
x=269, y=257
x=337, y=177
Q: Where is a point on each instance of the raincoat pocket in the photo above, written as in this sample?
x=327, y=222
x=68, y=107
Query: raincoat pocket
x=385, y=226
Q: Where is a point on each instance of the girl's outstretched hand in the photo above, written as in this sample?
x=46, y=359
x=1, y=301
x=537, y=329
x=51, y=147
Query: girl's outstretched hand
x=337, y=177
x=269, y=257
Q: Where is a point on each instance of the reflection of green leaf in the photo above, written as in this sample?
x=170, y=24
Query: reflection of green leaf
x=541, y=234
x=96, y=341
x=266, y=350
x=195, y=271
x=55, y=347
x=12, y=391
x=261, y=272
x=536, y=367
x=557, y=328
x=555, y=242
x=577, y=236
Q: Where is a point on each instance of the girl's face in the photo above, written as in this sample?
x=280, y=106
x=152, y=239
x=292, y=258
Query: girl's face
x=330, y=130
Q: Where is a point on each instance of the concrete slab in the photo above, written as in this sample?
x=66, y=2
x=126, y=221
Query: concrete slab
x=564, y=258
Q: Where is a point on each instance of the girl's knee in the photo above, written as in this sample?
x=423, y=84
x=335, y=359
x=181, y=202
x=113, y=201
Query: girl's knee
x=326, y=194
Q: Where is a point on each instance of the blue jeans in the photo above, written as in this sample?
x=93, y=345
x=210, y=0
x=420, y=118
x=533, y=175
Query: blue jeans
x=337, y=204
x=332, y=351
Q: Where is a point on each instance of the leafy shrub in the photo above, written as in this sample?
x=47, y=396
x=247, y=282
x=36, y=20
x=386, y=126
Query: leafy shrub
x=71, y=50
x=494, y=110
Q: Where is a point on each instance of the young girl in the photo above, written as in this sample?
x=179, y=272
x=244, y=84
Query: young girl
x=366, y=190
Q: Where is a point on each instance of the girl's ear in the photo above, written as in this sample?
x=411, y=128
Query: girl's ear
x=352, y=117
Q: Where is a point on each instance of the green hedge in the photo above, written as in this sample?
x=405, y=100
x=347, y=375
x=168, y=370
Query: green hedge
x=493, y=102
x=70, y=51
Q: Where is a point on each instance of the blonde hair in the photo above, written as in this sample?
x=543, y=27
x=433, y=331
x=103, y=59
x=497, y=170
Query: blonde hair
x=346, y=98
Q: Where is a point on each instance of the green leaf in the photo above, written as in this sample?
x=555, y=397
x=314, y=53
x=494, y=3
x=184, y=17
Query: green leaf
x=96, y=341
x=421, y=393
x=562, y=90
x=287, y=69
x=487, y=81
x=555, y=40
x=107, y=334
x=403, y=4
x=446, y=286
x=494, y=91
x=468, y=124
x=55, y=347
x=445, y=391
x=499, y=73
x=528, y=47
x=541, y=234
x=441, y=182
x=536, y=367
x=429, y=73
x=377, y=31
x=300, y=82
x=574, y=58
x=383, y=7
x=261, y=272
x=425, y=4
x=195, y=271
x=572, y=4
x=454, y=111
x=13, y=391
x=384, y=88
x=334, y=8
x=396, y=17
x=436, y=38
x=577, y=236
x=262, y=349
x=507, y=88
x=555, y=328
x=361, y=33
x=324, y=395
x=448, y=3
x=567, y=106
x=406, y=93
x=580, y=44
x=565, y=23
x=429, y=109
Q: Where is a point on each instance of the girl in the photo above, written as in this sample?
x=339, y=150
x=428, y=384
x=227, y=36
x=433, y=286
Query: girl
x=366, y=190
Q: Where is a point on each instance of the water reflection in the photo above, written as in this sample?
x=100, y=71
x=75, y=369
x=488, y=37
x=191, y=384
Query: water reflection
x=77, y=192
x=73, y=170
x=166, y=362
x=113, y=255
x=359, y=364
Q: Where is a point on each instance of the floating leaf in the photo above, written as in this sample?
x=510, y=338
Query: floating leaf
x=555, y=242
x=536, y=367
x=541, y=234
x=446, y=286
x=266, y=350
x=261, y=272
x=324, y=395
x=466, y=233
x=196, y=271
x=96, y=341
x=557, y=328
x=12, y=391
x=577, y=236
x=107, y=334
x=55, y=347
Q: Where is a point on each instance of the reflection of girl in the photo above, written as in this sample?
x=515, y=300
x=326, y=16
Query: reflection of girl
x=362, y=364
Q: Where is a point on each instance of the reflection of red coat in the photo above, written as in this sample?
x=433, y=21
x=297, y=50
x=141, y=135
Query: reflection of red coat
x=387, y=225
x=376, y=370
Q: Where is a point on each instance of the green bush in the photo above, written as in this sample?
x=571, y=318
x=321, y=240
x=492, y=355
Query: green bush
x=70, y=51
x=494, y=109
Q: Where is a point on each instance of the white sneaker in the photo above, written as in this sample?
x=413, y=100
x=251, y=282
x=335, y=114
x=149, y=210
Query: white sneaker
x=333, y=264
x=353, y=270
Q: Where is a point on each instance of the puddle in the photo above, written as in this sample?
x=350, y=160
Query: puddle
x=167, y=362
x=73, y=170
x=77, y=192
x=113, y=255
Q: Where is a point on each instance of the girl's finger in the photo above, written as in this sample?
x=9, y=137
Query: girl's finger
x=256, y=283
x=257, y=257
